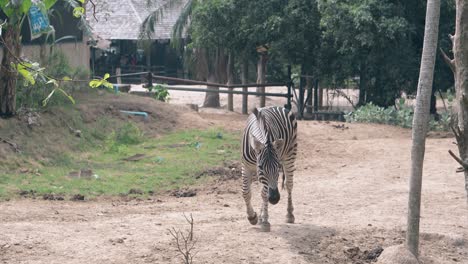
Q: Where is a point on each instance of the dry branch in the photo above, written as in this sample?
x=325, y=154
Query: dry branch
x=450, y=62
x=184, y=242
x=464, y=164
x=347, y=97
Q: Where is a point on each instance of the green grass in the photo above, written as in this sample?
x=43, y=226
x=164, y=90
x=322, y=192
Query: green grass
x=170, y=162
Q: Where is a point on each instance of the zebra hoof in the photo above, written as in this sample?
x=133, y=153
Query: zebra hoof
x=290, y=219
x=254, y=219
x=265, y=227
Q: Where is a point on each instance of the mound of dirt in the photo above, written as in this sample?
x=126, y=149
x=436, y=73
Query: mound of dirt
x=229, y=171
x=397, y=255
x=162, y=117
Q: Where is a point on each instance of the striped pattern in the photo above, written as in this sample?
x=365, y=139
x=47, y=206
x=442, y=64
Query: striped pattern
x=269, y=144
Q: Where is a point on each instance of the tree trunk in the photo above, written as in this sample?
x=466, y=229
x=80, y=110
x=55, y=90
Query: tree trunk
x=421, y=123
x=261, y=76
x=217, y=69
x=8, y=75
x=212, y=98
x=362, y=83
x=230, y=81
x=460, y=67
x=244, y=77
x=309, y=89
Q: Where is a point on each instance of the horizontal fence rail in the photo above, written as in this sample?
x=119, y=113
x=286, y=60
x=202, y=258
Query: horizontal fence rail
x=149, y=77
x=179, y=88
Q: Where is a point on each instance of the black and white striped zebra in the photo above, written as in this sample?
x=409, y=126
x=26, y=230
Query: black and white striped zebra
x=269, y=146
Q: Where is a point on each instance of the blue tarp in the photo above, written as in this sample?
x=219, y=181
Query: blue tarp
x=38, y=21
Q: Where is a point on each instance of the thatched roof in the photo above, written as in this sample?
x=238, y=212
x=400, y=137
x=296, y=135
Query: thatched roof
x=121, y=19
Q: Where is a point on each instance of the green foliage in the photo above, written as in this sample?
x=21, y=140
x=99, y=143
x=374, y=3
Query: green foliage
x=399, y=115
x=96, y=83
x=128, y=134
x=37, y=89
x=160, y=93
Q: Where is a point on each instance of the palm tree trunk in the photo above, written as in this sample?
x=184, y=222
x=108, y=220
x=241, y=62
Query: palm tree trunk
x=8, y=75
x=421, y=122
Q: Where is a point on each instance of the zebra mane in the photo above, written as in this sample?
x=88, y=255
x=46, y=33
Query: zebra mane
x=263, y=128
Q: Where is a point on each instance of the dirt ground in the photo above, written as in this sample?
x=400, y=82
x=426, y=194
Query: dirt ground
x=350, y=198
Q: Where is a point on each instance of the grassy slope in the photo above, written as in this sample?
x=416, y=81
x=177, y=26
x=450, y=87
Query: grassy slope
x=171, y=160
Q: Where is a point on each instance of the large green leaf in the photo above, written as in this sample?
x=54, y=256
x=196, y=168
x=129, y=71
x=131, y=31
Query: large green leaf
x=6, y=7
x=49, y=3
x=25, y=6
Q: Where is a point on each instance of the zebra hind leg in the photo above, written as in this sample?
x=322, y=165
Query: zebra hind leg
x=264, y=224
x=289, y=186
x=247, y=176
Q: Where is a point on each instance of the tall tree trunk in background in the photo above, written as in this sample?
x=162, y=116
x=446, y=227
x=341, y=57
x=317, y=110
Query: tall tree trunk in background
x=261, y=76
x=421, y=123
x=8, y=75
x=433, y=109
x=244, y=78
x=217, y=66
x=212, y=98
x=362, y=83
x=230, y=81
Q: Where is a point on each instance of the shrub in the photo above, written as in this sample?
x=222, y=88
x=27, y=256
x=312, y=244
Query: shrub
x=58, y=66
x=160, y=93
x=128, y=134
x=398, y=115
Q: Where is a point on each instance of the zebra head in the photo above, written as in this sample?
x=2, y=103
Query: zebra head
x=268, y=160
x=268, y=167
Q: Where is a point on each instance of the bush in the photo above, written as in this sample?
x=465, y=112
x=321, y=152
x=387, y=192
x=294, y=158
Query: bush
x=57, y=66
x=160, y=93
x=398, y=115
x=128, y=134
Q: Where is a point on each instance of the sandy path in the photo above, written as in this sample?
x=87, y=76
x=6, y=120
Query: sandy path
x=350, y=191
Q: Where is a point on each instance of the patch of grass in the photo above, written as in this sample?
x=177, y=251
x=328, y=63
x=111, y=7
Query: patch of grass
x=169, y=162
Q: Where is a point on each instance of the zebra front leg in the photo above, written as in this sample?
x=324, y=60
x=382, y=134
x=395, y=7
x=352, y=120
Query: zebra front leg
x=264, y=224
x=247, y=176
x=289, y=187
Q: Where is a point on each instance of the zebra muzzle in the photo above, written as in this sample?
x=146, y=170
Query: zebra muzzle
x=273, y=195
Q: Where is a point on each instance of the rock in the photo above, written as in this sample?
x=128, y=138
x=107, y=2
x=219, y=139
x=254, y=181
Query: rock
x=397, y=255
x=374, y=253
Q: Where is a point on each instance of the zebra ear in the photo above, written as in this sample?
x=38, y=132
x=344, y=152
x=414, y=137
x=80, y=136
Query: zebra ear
x=256, y=113
x=278, y=144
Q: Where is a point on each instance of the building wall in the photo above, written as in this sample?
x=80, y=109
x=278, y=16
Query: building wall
x=77, y=53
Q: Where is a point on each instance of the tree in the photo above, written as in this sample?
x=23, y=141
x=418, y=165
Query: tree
x=12, y=65
x=373, y=40
x=459, y=66
x=421, y=122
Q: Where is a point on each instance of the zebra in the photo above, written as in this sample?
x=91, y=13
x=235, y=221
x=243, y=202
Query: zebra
x=268, y=146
